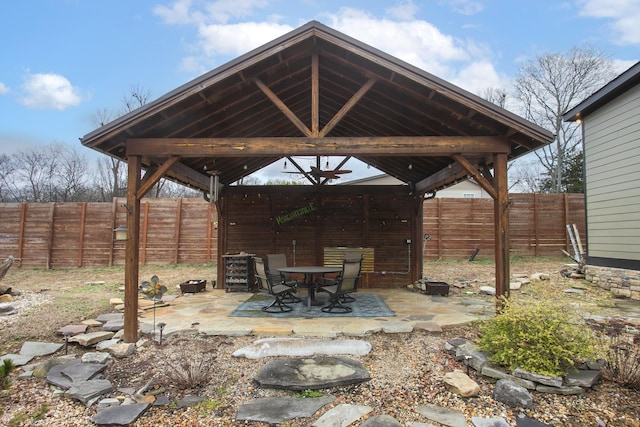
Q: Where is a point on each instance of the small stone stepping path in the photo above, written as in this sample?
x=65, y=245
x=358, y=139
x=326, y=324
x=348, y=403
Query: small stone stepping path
x=311, y=374
x=300, y=347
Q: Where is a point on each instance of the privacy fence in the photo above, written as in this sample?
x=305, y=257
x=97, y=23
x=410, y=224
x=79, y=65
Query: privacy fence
x=184, y=231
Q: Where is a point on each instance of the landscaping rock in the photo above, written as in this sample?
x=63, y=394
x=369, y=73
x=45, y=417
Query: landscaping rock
x=311, y=374
x=86, y=391
x=524, y=421
x=97, y=357
x=42, y=370
x=7, y=309
x=489, y=422
x=497, y=374
x=277, y=410
x=541, y=379
x=487, y=290
x=122, y=415
x=113, y=325
x=122, y=350
x=92, y=338
x=582, y=378
x=441, y=415
x=562, y=390
x=190, y=400
x=342, y=415
x=106, y=317
x=381, y=421
x=300, y=347
x=17, y=359
x=72, y=330
x=37, y=349
x=512, y=395
x=461, y=384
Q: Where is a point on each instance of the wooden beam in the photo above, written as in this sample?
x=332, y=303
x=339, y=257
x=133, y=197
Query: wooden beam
x=501, y=223
x=347, y=107
x=301, y=146
x=476, y=174
x=156, y=175
x=444, y=177
x=132, y=253
x=315, y=93
x=283, y=107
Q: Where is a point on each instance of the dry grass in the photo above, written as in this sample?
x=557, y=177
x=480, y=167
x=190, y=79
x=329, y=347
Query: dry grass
x=74, y=298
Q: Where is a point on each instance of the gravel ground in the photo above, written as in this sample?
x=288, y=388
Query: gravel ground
x=406, y=371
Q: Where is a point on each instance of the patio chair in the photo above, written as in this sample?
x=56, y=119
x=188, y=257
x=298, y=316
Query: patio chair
x=344, y=284
x=351, y=257
x=276, y=289
x=276, y=261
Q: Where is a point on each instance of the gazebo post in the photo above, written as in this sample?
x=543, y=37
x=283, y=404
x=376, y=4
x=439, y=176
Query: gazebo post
x=501, y=223
x=132, y=251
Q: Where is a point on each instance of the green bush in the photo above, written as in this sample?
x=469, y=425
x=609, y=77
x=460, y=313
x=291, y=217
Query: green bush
x=540, y=337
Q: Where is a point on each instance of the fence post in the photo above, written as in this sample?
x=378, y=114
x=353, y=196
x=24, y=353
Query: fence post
x=83, y=215
x=23, y=216
x=177, y=232
x=50, y=236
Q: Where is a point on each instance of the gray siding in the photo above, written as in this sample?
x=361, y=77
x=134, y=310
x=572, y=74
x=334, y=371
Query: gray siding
x=612, y=161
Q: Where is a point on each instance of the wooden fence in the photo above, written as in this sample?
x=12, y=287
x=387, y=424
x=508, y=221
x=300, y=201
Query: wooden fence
x=184, y=231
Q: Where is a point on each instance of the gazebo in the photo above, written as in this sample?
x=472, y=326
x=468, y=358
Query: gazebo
x=317, y=92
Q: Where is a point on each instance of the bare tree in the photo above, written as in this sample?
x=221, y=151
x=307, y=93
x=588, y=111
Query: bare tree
x=9, y=191
x=550, y=85
x=112, y=172
x=70, y=174
x=496, y=95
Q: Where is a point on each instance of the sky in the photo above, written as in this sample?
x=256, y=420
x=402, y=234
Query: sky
x=64, y=61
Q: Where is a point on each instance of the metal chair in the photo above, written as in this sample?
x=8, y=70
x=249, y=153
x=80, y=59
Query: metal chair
x=344, y=284
x=274, y=262
x=279, y=291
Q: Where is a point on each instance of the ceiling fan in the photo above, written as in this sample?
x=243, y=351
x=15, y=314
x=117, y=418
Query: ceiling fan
x=317, y=173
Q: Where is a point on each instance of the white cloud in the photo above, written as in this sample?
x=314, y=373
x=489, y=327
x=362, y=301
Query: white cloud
x=400, y=34
x=237, y=39
x=49, y=91
x=623, y=16
x=404, y=11
x=4, y=89
x=465, y=7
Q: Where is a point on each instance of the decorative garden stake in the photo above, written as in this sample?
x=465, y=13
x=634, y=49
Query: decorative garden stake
x=66, y=341
x=153, y=290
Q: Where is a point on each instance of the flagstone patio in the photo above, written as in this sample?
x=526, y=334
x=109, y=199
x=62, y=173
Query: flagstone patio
x=208, y=312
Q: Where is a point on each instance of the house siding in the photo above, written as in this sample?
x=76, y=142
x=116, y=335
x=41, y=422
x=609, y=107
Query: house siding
x=612, y=163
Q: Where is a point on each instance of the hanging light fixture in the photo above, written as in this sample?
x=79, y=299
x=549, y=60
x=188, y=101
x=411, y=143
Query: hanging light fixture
x=120, y=233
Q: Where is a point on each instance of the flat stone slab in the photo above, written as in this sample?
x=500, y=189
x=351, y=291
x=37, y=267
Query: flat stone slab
x=72, y=330
x=489, y=422
x=311, y=374
x=106, y=317
x=113, y=325
x=397, y=327
x=300, y=347
x=381, y=421
x=342, y=415
x=582, y=378
x=86, y=391
x=277, y=410
x=87, y=340
x=122, y=415
x=36, y=349
x=17, y=359
x=78, y=371
x=445, y=416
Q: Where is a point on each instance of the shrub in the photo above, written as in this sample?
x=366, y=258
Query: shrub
x=5, y=369
x=191, y=372
x=622, y=353
x=540, y=337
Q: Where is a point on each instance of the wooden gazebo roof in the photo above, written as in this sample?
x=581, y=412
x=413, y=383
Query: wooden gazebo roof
x=315, y=91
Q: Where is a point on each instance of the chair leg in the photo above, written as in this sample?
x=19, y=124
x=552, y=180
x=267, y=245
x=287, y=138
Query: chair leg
x=347, y=298
x=336, y=306
x=290, y=298
x=277, y=306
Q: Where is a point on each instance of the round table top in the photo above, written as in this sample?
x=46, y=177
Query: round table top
x=310, y=269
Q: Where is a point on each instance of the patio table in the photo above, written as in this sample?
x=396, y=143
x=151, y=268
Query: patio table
x=309, y=272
